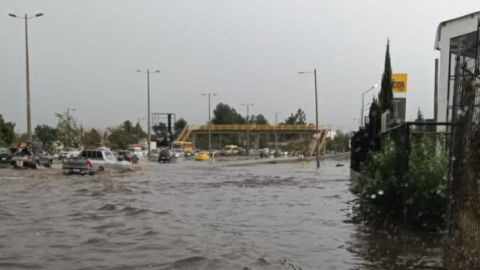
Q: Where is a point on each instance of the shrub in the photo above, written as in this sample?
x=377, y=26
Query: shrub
x=381, y=196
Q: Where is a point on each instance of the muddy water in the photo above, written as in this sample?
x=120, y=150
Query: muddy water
x=191, y=215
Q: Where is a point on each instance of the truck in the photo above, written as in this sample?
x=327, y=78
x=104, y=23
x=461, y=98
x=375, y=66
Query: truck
x=30, y=155
x=90, y=161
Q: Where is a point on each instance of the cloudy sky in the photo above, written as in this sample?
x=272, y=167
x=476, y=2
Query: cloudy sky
x=83, y=55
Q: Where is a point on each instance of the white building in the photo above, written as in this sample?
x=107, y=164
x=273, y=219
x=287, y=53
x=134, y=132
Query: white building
x=455, y=38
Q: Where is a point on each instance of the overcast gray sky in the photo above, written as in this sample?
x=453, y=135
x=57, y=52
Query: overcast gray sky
x=83, y=55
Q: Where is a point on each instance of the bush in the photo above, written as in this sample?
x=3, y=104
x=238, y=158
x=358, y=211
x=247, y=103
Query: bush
x=428, y=168
x=381, y=196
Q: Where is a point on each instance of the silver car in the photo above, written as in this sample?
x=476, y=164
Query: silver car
x=91, y=161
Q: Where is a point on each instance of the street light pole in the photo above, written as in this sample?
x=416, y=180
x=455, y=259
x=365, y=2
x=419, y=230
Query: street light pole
x=248, y=126
x=68, y=127
x=316, y=115
x=363, y=95
x=148, y=107
x=27, y=63
x=138, y=129
x=209, y=121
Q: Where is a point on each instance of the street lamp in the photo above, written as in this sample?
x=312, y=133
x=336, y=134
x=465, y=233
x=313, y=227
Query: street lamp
x=316, y=113
x=68, y=127
x=248, y=125
x=209, y=121
x=138, y=130
x=148, y=105
x=363, y=95
x=29, y=114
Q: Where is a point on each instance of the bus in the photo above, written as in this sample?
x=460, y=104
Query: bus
x=184, y=146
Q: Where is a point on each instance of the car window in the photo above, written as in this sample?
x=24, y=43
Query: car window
x=109, y=155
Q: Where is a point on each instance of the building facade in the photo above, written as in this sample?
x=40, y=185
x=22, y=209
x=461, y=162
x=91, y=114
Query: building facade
x=455, y=38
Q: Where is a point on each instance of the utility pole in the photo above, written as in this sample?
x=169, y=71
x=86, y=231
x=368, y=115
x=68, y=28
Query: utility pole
x=148, y=107
x=69, y=143
x=316, y=114
x=248, y=125
x=316, y=119
x=209, y=121
x=27, y=63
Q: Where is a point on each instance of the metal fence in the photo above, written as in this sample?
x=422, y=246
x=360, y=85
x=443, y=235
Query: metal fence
x=463, y=243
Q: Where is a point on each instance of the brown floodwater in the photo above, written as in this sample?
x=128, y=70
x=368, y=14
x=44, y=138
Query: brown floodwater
x=194, y=215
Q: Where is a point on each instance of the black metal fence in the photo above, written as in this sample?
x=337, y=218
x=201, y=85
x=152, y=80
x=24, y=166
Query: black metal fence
x=463, y=243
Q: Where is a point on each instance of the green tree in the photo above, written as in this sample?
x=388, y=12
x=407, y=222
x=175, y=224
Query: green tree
x=419, y=116
x=374, y=119
x=160, y=130
x=385, y=97
x=179, y=125
x=225, y=115
x=139, y=131
x=260, y=120
x=7, y=132
x=92, y=139
x=48, y=136
x=68, y=132
x=298, y=118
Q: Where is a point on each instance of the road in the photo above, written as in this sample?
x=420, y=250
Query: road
x=195, y=215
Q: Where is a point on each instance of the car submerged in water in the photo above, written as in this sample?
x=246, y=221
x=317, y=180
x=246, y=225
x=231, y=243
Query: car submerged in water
x=164, y=156
x=5, y=155
x=91, y=161
x=30, y=155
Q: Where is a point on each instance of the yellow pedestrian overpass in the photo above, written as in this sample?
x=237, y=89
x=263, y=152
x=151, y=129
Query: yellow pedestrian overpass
x=189, y=133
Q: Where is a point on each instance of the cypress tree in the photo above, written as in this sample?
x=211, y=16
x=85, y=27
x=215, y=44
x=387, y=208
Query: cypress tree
x=374, y=118
x=385, y=97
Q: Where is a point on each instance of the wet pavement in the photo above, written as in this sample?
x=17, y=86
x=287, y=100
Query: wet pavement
x=194, y=215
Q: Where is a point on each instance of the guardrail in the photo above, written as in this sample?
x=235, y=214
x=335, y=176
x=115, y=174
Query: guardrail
x=259, y=127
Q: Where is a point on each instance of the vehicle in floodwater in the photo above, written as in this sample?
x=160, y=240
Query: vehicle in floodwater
x=30, y=155
x=91, y=161
x=165, y=156
x=202, y=156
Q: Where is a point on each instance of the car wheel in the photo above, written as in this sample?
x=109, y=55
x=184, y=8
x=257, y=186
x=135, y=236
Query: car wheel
x=36, y=164
x=49, y=164
x=101, y=169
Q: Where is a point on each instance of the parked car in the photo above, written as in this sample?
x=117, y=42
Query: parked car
x=154, y=153
x=91, y=161
x=176, y=153
x=31, y=155
x=189, y=154
x=68, y=152
x=241, y=152
x=165, y=156
x=5, y=155
x=265, y=153
x=229, y=150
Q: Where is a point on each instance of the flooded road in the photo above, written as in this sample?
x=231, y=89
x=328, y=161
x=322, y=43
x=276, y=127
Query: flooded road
x=190, y=215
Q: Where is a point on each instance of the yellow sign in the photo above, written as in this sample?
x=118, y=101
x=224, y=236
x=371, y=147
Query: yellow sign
x=399, y=83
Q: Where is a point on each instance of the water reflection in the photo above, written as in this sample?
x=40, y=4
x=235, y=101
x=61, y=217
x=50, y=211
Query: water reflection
x=380, y=249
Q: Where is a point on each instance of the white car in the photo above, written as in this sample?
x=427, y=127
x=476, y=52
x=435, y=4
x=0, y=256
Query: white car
x=154, y=154
x=68, y=153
